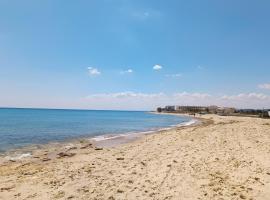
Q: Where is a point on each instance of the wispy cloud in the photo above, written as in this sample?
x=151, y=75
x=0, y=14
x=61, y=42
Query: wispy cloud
x=264, y=86
x=145, y=14
x=199, y=67
x=141, y=15
x=192, y=95
x=246, y=100
x=127, y=94
x=247, y=96
x=128, y=71
x=93, y=71
x=145, y=101
x=174, y=75
x=157, y=67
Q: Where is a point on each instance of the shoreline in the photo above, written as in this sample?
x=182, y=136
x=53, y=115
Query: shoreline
x=105, y=140
x=224, y=157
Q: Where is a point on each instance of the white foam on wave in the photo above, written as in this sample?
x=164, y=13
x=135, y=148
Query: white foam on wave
x=106, y=137
x=134, y=134
x=128, y=134
x=18, y=157
x=188, y=123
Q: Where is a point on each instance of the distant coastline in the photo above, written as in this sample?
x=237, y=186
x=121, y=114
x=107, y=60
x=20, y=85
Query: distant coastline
x=222, y=111
x=80, y=109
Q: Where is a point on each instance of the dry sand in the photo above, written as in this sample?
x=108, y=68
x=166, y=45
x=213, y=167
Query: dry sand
x=224, y=158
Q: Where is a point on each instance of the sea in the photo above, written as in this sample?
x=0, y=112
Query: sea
x=20, y=127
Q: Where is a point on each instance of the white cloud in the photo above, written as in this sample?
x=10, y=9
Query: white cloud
x=93, y=71
x=144, y=101
x=157, y=67
x=147, y=101
x=129, y=71
x=173, y=75
x=264, y=86
x=192, y=95
x=141, y=15
x=247, y=96
x=246, y=100
x=141, y=101
x=125, y=95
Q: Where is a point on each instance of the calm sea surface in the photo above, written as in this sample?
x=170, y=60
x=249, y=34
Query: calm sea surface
x=22, y=127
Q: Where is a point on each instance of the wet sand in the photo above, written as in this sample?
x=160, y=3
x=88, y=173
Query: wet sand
x=222, y=158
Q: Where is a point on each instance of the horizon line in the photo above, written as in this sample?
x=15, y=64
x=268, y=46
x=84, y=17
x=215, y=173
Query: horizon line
x=82, y=109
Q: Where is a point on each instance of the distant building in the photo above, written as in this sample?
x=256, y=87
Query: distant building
x=169, y=108
x=216, y=110
x=190, y=109
x=225, y=111
x=212, y=109
x=265, y=113
x=198, y=109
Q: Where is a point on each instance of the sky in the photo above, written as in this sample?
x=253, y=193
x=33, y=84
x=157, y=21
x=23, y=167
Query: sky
x=134, y=54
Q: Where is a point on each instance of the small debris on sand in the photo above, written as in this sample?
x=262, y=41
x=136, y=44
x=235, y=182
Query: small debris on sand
x=63, y=154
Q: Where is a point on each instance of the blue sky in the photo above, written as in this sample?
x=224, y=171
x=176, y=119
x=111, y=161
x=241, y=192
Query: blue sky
x=100, y=54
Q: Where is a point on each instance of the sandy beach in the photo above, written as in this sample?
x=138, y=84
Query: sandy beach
x=222, y=158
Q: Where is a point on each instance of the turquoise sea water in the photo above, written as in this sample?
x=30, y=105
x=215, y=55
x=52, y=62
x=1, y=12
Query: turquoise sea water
x=22, y=127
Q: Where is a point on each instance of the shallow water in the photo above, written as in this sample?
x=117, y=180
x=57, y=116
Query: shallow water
x=22, y=127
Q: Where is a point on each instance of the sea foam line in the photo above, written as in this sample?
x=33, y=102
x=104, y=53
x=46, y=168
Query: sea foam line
x=188, y=123
x=18, y=157
x=134, y=134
